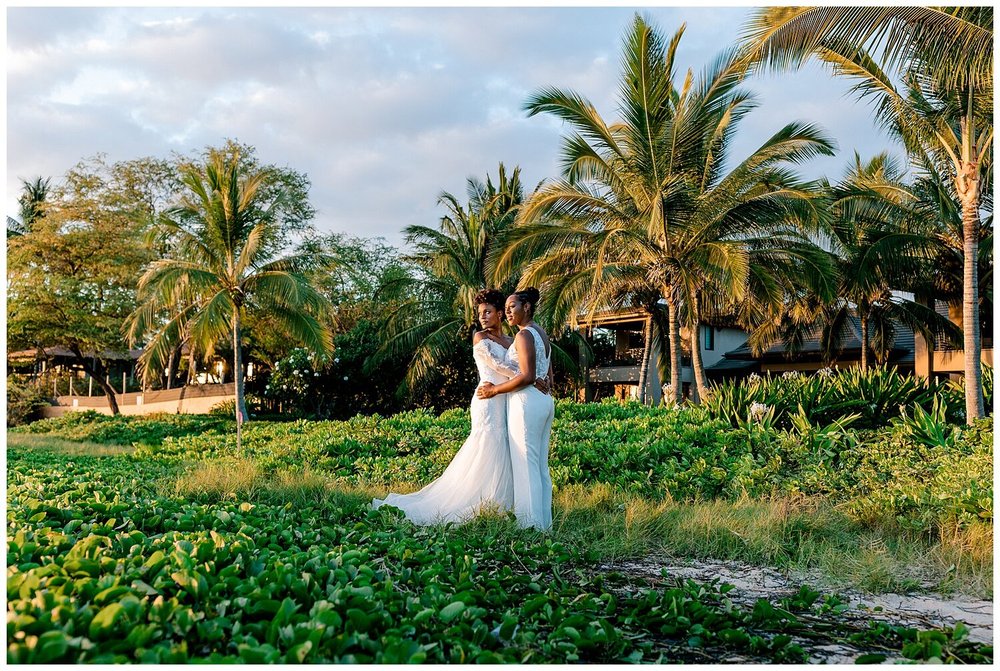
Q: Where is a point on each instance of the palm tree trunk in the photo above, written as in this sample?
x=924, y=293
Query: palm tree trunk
x=675, y=348
x=647, y=348
x=172, y=364
x=970, y=296
x=864, y=342
x=697, y=365
x=238, y=379
x=192, y=377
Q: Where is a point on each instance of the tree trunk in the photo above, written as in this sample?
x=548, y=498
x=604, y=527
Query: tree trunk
x=697, y=366
x=967, y=185
x=172, y=363
x=864, y=342
x=241, y=411
x=95, y=369
x=675, y=349
x=970, y=310
x=647, y=348
x=192, y=365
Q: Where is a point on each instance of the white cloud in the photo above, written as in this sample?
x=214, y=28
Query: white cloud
x=383, y=108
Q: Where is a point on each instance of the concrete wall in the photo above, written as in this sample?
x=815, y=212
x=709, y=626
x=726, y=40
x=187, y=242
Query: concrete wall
x=726, y=340
x=185, y=400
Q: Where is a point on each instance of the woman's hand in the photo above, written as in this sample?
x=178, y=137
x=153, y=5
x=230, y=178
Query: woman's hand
x=542, y=385
x=485, y=391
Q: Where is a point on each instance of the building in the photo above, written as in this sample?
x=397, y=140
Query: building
x=741, y=362
x=617, y=339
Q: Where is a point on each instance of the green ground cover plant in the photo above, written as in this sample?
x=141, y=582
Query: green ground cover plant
x=127, y=557
x=154, y=539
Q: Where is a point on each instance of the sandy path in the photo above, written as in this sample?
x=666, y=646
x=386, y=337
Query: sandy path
x=752, y=582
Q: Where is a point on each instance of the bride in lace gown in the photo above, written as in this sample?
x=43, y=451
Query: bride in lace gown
x=479, y=476
x=529, y=412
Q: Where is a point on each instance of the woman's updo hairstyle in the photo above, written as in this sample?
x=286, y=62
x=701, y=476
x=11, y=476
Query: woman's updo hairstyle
x=492, y=297
x=529, y=295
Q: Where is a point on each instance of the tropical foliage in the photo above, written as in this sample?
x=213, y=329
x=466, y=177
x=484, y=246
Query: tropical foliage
x=222, y=268
x=139, y=567
x=645, y=207
x=72, y=274
x=434, y=326
x=944, y=114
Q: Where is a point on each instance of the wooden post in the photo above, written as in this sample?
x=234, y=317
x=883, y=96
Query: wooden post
x=71, y=384
x=123, y=381
x=90, y=385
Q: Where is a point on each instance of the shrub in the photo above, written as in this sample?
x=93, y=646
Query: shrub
x=24, y=401
x=876, y=396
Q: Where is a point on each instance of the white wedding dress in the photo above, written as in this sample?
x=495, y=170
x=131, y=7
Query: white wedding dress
x=479, y=476
x=529, y=425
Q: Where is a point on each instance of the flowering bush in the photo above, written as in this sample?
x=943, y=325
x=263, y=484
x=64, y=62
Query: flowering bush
x=301, y=378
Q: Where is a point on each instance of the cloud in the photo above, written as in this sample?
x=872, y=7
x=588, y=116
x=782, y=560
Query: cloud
x=383, y=108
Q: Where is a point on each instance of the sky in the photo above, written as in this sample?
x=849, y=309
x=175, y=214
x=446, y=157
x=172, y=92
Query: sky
x=383, y=108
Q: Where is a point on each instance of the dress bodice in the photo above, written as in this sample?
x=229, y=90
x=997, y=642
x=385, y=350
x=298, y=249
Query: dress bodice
x=541, y=358
x=491, y=362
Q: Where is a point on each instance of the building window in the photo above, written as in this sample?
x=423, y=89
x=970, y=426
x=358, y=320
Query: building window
x=709, y=338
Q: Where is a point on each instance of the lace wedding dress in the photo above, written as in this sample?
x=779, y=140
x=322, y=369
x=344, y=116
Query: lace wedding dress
x=529, y=425
x=480, y=473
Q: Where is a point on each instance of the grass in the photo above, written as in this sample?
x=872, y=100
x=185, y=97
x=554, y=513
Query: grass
x=67, y=447
x=807, y=535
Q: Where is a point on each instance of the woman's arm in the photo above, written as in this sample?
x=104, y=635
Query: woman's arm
x=526, y=361
x=490, y=360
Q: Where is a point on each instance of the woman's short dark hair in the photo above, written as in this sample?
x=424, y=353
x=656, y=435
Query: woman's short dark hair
x=529, y=295
x=492, y=297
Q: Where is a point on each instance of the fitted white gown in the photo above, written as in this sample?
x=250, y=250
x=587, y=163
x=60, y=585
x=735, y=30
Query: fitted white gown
x=529, y=425
x=480, y=473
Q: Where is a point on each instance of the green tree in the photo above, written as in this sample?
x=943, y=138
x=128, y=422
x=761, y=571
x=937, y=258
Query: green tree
x=31, y=205
x=944, y=117
x=880, y=243
x=72, y=274
x=644, y=208
x=223, y=232
x=453, y=263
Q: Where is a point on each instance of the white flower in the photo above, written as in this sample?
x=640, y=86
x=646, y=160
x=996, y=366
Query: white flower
x=316, y=374
x=753, y=378
x=758, y=410
x=825, y=372
x=284, y=386
x=336, y=360
x=345, y=378
x=790, y=374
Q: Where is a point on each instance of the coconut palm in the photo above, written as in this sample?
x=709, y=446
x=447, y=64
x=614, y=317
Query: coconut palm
x=644, y=204
x=956, y=42
x=881, y=244
x=944, y=116
x=221, y=271
x=31, y=204
x=455, y=263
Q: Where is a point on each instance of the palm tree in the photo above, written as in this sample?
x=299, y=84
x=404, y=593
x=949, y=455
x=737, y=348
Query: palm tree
x=455, y=264
x=956, y=42
x=31, y=206
x=644, y=205
x=221, y=271
x=880, y=243
x=945, y=57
